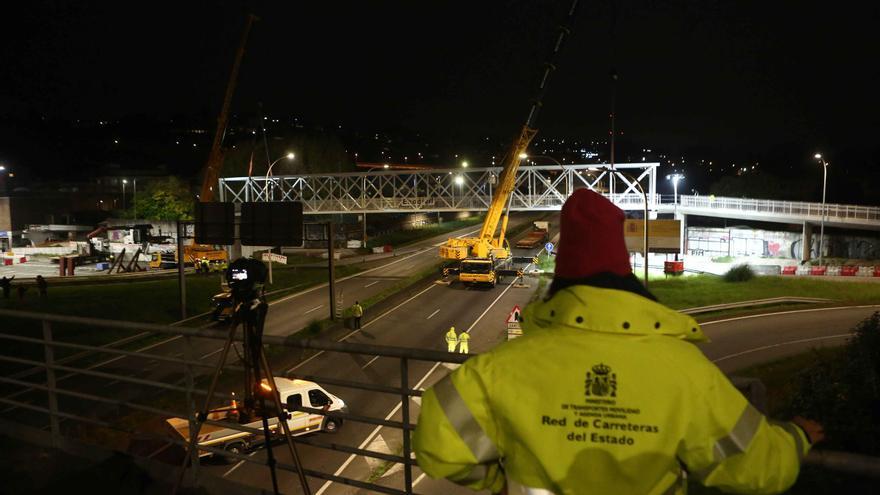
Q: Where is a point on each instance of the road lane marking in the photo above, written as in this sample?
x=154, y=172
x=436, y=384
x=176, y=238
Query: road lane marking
x=365, y=326
x=361, y=274
x=400, y=404
x=432, y=314
x=238, y=465
x=371, y=283
x=374, y=433
x=762, y=315
x=419, y=479
x=314, y=309
x=370, y=362
x=780, y=344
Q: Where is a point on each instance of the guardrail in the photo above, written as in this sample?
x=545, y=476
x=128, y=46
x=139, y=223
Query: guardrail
x=66, y=398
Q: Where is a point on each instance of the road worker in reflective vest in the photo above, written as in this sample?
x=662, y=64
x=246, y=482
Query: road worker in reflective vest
x=463, y=339
x=604, y=393
x=451, y=339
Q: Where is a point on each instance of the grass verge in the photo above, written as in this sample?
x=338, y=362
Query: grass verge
x=399, y=238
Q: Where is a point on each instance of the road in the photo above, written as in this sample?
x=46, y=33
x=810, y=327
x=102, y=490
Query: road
x=294, y=312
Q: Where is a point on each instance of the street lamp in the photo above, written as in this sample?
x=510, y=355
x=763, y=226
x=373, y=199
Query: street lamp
x=124, y=182
x=818, y=156
x=675, y=178
x=289, y=156
x=464, y=164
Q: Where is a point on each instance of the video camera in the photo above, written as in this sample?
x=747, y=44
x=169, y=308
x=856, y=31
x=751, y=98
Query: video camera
x=245, y=277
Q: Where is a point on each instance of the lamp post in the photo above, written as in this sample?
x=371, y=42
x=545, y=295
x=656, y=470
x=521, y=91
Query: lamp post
x=124, y=182
x=289, y=156
x=675, y=178
x=134, y=201
x=818, y=156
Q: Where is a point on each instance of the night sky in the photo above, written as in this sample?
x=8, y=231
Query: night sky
x=746, y=78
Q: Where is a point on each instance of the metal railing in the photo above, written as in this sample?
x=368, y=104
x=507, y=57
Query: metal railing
x=50, y=382
x=799, y=210
x=43, y=392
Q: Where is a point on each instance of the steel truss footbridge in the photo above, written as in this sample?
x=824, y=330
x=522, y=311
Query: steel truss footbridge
x=407, y=191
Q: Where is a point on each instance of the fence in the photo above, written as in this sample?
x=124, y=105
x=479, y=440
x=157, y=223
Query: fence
x=53, y=379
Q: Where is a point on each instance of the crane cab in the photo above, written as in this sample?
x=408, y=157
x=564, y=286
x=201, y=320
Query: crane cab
x=478, y=271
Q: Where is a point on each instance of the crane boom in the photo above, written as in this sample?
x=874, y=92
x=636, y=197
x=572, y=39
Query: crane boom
x=215, y=157
x=487, y=245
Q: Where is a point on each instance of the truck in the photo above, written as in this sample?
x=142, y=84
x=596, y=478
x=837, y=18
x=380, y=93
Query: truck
x=482, y=271
x=168, y=258
x=539, y=235
x=293, y=392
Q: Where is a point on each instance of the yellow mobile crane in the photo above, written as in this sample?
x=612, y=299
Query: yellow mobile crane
x=483, y=258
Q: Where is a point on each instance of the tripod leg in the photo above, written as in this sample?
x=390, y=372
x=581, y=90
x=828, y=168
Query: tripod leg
x=282, y=423
x=200, y=418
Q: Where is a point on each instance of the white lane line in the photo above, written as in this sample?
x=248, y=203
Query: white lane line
x=211, y=354
x=159, y=450
x=763, y=315
x=781, y=344
x=237, y=465
x=432, y=314
x=371, y=283
x=373, y=433
x=370, y=362
x=365, y=326
x=314, y=309
x=399, y=404
x=361, y=274
x=419, y=479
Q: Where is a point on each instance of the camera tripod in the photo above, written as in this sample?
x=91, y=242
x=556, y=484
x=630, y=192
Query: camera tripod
x=250, y=315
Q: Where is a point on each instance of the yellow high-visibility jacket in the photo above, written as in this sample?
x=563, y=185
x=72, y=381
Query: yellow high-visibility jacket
x=604, y=393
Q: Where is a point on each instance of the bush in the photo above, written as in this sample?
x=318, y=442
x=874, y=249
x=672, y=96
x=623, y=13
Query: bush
x=844, y=394
x=723, y=259
x=739, y=273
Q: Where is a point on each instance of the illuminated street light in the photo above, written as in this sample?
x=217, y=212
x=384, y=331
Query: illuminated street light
x=675, y=178
x=464, y=164
x=523, y=156
x=459, y=180
x=385, y=166
x=289, y=156
x=818, y=156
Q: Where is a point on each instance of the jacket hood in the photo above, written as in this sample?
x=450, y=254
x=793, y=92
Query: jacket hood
x=594, y=309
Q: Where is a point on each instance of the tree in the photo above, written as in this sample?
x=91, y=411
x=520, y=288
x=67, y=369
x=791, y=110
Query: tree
x=166, y=199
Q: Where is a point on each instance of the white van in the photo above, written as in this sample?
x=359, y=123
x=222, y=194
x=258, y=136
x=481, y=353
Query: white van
x=294, y=393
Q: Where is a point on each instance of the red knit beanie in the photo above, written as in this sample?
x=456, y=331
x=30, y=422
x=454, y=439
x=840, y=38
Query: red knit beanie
x=591, y=237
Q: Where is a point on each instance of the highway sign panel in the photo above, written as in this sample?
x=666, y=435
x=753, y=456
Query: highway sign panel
x=549, y=247
x=275, y=257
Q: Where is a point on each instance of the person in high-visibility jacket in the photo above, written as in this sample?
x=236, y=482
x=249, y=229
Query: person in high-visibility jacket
x=463, y=339
x=451, y=339
x=604, y=393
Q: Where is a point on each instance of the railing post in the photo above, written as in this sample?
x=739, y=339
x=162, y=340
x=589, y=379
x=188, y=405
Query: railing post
x=49, y=354
x=189, y=357
x=407, y=449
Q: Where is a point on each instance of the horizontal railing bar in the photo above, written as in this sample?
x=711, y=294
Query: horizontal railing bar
x=354, y=450
x=355, y=417
x=110, y=376
x=59, y=414
x=95, y=398
x=103, y=350
x=357, y=385
x=318, y=344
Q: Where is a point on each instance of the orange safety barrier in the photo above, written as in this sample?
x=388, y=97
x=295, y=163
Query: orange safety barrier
x=789, y=270
x=818, y=270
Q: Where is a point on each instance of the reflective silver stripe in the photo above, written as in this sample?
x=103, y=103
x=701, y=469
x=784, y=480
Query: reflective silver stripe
x=477, y=473
x=739, y=438
x=463, y=421
x=795, y=431
x=514, y=488
x=736, y=442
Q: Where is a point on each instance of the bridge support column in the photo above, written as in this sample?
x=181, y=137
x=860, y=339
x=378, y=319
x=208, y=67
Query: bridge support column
x=807, y=242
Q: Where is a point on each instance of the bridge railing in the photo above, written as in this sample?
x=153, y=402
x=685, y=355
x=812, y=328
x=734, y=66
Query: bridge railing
x=61, y=391
x=787, y=208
